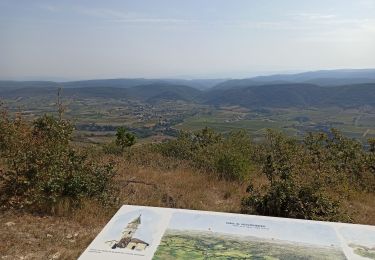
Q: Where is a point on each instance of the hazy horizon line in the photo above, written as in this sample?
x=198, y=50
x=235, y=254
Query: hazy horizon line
x=208, y=76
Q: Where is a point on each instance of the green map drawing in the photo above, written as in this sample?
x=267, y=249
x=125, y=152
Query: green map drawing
x=182, y=244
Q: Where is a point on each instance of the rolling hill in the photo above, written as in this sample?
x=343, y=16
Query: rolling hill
x=160, y=91
x=201, y=84
x=344, y=88
x=321, y=78
x=294, y=95
x=146, y=93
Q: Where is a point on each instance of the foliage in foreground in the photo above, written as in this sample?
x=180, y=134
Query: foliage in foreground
x=41, y=168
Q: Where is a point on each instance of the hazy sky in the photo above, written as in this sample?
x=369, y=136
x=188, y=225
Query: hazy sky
x=182, y=38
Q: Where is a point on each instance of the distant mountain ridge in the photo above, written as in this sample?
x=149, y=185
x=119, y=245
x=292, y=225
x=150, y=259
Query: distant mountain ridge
x=322, y=78
x=145, y=93
x=274, y=95
x=201, y=84
x=344, y=88
x=294, y=95
x=304, y=76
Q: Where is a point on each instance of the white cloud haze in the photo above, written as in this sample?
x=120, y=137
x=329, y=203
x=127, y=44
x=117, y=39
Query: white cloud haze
x=167, y=38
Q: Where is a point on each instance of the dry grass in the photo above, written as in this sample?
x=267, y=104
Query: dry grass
x=24, y=236
x=361, y=206
x=179, y=188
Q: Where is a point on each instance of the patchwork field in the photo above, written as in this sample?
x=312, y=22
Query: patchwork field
x=96, y=119
x=355, y=123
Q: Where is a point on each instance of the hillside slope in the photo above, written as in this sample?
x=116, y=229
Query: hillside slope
x=294, y=95
x=145, y=93
x=321, y=78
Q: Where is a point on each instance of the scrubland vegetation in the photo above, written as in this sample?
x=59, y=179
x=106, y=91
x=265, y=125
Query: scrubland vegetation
x=75, y=188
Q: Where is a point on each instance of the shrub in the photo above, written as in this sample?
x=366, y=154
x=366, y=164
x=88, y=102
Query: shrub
x=231, y=166
x=229, y=156
x=42, y=169
x=293, y=189
x=124, y=139
x=287, y=199
x=342, y=159
x=233, y=158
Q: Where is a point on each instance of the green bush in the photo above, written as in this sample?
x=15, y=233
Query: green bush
x=231, y=166
x=294, y=187
x=287, y=199
x=42, y=169
x=124, y=139
x=228, y=156
x=344, y=160
x=233, y=160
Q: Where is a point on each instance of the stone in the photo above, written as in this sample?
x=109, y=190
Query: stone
x=55, y=256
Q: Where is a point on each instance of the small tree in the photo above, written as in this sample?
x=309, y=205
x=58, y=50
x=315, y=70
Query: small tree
x=124, y=138
x=43, y=170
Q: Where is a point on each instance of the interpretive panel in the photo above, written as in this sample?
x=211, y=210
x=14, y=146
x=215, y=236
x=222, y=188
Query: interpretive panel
x=137, y=232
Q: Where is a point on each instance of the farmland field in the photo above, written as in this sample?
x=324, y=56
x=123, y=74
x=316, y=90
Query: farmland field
x=293, y=121
x=96, y=119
